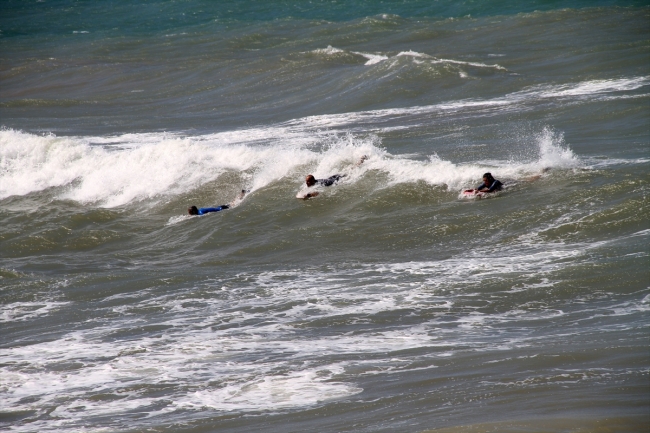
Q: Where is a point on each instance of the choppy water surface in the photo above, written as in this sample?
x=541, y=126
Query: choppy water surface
x=388, y=303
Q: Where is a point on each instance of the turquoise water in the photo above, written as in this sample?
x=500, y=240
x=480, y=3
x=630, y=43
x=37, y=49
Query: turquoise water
x=388, y=303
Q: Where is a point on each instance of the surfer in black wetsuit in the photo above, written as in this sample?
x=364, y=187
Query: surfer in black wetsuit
x=310, y=180
x=490, y=184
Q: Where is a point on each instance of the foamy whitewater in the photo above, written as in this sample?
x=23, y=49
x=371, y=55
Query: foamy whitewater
x=391, y=302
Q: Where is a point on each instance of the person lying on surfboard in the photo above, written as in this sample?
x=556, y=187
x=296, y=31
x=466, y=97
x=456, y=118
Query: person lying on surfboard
x=310, y=180
x=490, y=184
x=193, y=210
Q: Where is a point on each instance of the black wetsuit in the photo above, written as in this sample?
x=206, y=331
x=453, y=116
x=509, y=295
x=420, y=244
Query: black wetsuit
x=495, y=186
x=330, y=180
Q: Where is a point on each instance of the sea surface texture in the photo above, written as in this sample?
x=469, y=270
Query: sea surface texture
x=390, y=302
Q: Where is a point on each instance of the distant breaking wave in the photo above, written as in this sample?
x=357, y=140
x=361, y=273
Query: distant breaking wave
x=117, y=170
x=374, y=58
x=153, y=167
x=595, y=89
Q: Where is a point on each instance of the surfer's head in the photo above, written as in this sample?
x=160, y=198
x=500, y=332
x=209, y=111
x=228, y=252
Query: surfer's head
x=310, y=180
x=487, y=178
x=193, y=210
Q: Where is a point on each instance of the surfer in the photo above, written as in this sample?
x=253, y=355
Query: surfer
x=490, y=184
x=310, y=180
x=193, y=210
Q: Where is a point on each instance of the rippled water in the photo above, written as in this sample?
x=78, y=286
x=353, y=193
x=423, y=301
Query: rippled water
x=389, y=302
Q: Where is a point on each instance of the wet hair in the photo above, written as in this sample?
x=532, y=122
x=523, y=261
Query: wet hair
x=489, y=176
x=310, y=179
x=193, y=210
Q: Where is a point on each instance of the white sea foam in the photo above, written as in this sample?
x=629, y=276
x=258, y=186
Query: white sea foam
x=411, y=53
x=143, y=169
x=140, y=167
x=372, y=58
x=553, y=150
x=21, y=311
x=114, y=171
x=417, y=58
x=475, y=64
x=178, y=219
x=594, y=87
x=329, y=50
x=265, y=316
x=596, y=163
x=301, y=389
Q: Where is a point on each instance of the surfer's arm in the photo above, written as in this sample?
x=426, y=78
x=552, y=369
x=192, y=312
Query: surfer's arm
x=310, y=195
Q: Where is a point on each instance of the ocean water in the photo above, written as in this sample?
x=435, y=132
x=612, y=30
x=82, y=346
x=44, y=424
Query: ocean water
x=389, y=303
